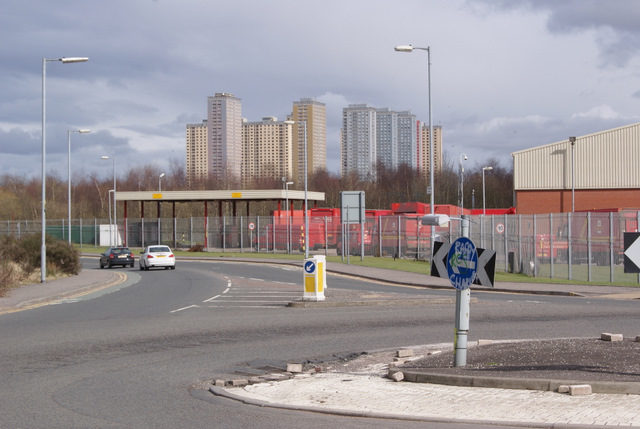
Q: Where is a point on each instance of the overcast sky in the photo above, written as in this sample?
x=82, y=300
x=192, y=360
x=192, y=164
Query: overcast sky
x=506, y=75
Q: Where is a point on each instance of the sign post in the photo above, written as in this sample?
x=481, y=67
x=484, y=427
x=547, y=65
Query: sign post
x=462, y=261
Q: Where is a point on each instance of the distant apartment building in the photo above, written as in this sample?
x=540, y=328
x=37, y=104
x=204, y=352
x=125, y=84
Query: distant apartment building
x=267, y=150
x=313, y=114
x=358, y=141
x=196, y=154
x=370, y=136
x=224, y=136
x=423, y=149
x=387, y=138
x=407, y=148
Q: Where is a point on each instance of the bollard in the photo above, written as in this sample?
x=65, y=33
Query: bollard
x=314, y=279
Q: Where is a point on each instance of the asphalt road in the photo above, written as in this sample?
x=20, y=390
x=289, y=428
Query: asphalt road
x=138, y=356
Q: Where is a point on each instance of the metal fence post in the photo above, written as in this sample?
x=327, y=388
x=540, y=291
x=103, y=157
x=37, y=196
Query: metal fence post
x=80, y=233
x=241, y=236
x=589, y=246
x=493, y=232
x=551, y=243
x=380, y=236
x=95, y=232
x=611, y=266
x=190, y=231
x=398, y=230
x=569, y=240
x=506, y=245
x=535, y=246
x=326, y=238
x=274, y=233
x=224, y=234
x=258, y=233
x=18, y=230
x=519, y=243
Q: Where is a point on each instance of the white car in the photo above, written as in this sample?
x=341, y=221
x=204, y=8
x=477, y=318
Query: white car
x=157, y=256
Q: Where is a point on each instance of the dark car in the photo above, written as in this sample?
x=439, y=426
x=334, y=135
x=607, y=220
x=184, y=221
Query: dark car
x=117, y=256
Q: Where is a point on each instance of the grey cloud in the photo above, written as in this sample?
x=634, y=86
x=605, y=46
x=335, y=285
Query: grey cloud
x=616, y=21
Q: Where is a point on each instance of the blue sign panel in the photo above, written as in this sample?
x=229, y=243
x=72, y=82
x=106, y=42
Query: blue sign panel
x=310, y=267
x=462, y=262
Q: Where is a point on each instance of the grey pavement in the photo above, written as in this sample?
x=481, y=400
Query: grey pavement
x=366, y=390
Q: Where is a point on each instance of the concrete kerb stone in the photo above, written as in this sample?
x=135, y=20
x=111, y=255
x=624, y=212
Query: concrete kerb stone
x=224, y=393
x=551, y=385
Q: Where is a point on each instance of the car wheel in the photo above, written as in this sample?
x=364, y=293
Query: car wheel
x=101, y=266
x=146, y=268
x=141, y=267
x=173, y=268
x=109, y=265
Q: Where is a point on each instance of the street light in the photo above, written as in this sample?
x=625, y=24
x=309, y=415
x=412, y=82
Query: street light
x=463, y=157
x=80, y=131
x=43, y=246
x=160, y=182
x=572, y=140
x=286, y=196
x=410, y=48
x=115, y=221
x=484, y=207
x=110, y=224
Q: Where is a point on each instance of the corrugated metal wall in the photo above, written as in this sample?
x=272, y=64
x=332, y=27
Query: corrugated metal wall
x=609, y=159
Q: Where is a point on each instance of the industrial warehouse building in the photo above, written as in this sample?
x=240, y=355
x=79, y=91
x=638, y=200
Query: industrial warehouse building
x=595, y=172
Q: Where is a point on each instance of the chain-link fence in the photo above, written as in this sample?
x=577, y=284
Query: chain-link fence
x=576, y=246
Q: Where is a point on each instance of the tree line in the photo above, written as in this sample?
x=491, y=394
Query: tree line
x=20, y=197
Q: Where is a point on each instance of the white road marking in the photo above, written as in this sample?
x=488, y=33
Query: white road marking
x=211, y=299
x=248, y=300
x=226, y=290
x=255, y=279
x=184, y=308
x=259, y=296
x=244, y=306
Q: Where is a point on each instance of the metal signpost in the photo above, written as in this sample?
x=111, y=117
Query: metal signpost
x=352, y=210
x=462, y=262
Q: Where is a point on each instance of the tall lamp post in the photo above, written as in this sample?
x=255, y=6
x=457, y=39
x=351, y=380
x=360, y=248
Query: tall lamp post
x=160, y=182
x=411, y=48
x=43, y=246
x=484, y=206
x=115, y=221
x=80, y=131
x=286, y=197
x=463, y=157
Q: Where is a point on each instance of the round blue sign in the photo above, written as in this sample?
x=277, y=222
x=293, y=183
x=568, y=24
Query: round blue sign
x=309, y=267
x=462, y=261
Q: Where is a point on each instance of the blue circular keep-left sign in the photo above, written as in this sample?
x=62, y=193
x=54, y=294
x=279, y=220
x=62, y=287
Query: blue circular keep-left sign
x=462, y=262
x=310, y=267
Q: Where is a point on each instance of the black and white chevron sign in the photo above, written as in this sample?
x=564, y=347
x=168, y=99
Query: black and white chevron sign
x=485, y=271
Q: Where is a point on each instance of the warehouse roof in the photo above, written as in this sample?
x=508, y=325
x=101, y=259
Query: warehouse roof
x=229, y=195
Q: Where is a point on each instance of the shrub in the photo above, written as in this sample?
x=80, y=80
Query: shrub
x=20, y=258
x=196, y=248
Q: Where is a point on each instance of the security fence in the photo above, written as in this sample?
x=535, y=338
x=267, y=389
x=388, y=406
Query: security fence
x=575, y=246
